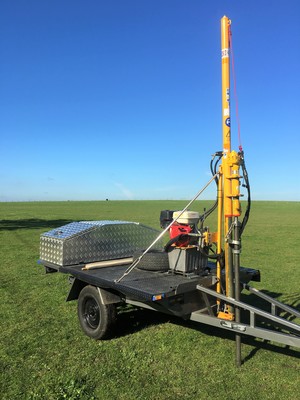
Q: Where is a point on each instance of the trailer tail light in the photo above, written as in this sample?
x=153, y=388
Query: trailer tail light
x=158, y=297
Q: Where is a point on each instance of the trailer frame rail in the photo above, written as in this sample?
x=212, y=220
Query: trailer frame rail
x=273, y=332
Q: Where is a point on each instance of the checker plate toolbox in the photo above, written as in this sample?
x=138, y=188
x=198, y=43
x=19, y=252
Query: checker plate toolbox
x=90, y=241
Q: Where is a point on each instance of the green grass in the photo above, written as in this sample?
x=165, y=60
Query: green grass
x=44, y=354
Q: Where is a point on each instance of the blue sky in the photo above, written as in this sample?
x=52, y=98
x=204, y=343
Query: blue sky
x=121, y=99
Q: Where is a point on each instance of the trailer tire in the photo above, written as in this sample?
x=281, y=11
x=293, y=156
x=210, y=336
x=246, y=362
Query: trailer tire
x=154, y=260
x=96, y=319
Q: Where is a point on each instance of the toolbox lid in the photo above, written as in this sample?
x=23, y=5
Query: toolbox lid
x=75, y=228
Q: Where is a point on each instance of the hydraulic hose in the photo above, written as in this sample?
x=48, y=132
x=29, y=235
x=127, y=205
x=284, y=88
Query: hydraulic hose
x=175, y=239
x=184, y=236
x=213, y=169
x=247, y=186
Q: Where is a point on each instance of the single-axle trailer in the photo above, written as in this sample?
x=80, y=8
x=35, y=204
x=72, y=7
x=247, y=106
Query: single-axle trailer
x=196, y=275
x=183, y=288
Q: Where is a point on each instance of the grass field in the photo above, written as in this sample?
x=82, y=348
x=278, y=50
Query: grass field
x=44, y=354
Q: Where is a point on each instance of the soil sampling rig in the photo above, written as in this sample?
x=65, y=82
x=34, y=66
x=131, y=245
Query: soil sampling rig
x=196, y=275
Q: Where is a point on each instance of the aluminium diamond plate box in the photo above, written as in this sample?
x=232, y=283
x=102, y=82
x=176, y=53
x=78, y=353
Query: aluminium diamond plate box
x=90, y=241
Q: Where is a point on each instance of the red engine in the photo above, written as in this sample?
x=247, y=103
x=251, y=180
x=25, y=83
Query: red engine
x=180, y=229
x=185, y=224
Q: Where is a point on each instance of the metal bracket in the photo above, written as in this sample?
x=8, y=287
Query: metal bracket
x=107, y=297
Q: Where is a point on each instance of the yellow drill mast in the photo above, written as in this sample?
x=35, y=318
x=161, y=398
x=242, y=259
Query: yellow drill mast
x=229, y=182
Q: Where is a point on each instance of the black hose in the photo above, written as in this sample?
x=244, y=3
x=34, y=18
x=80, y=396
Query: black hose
x=215, y=256
x=247, y=186
x=213, y=169
x=175, y=239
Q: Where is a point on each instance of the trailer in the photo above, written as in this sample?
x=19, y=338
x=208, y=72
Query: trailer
x=162, y=281
x=195, y=275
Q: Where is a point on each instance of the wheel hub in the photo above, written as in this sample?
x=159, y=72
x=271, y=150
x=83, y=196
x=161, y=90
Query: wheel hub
x=92, y=313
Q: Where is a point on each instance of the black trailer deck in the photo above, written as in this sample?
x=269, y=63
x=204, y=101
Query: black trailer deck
x=148, y=286
x=139, y=284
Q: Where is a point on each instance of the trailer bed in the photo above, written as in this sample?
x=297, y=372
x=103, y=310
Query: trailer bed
x=144, y=285
x=139, y=284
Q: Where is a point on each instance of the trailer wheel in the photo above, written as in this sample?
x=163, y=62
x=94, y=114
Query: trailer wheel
x=96, y=319
x=154, y=260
